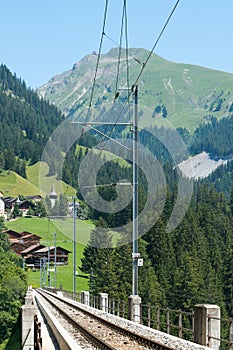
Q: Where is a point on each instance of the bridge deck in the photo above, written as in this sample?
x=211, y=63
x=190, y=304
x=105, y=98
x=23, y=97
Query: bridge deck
x=48, y=340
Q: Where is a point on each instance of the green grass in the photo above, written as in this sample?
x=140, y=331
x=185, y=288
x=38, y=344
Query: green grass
x=64, y=234
x=37, y=175
x=11, y=184
x=109, y=156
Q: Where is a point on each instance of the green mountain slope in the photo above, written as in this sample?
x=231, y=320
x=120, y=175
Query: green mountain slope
x=27, y=121
x=184, y=94
x=41, y=169
x=12, y=184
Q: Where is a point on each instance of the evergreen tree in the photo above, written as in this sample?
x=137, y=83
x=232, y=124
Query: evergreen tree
x=98, y=238
x=16, y=212
x=62, y=205
x=160, y=251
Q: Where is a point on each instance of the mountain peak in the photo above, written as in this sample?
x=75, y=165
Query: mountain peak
x=189, y=94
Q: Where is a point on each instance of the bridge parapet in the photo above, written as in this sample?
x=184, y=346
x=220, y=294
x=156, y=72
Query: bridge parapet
x=201, y=325
x=29, y=311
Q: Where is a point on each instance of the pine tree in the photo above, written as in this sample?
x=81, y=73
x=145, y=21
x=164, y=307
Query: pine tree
x=160, y=251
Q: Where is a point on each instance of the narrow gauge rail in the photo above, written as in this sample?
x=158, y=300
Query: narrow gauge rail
x=101, y=332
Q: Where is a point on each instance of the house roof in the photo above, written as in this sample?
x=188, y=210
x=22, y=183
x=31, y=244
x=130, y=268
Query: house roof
x=14, y=240
x=26, y=203
x=9, y=199
x=31, y=248
x=45, y=249
x=26, y=233
x=37, y=196
x=13, y=233
x=29, y=236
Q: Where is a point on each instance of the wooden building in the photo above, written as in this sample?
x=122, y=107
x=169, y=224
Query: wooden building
x=62, y=255
x=21, y=240
x=28, y=246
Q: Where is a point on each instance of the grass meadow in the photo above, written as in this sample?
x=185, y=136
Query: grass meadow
x=45, y=228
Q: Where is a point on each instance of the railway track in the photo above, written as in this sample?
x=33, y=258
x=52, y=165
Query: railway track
x=101, y=333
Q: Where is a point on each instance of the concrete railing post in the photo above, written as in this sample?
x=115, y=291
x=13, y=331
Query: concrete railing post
x=134, y=308
x=29, y=311
x=85, y=298
x=206, y=329
x=103, y=301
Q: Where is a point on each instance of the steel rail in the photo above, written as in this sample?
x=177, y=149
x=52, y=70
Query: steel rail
x=102, y=344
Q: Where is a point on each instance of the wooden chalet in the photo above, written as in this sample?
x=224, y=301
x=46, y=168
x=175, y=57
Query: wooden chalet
x=28, y=252
x=12, y=235
x=28, y=246
x=21, y=240
x=9, y=203
x=24, y=205
x=62, y=255
x=35, y=198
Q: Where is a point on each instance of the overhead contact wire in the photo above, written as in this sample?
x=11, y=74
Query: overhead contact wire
x=99, y=52
x=156, y=42
x=97, y=66
x=127, y=46
x=149, y=56
x=119, y=57
x=124, y=21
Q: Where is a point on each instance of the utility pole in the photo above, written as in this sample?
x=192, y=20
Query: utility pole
x=40, y=272
x=44, y=268
x=136, y=300
x=135, y=254
x=55, y=260
x=49, y=265
x=74, y=248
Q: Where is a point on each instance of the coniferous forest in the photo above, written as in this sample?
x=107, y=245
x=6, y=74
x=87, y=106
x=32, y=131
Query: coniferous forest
x=192, y=264
x=26, y=123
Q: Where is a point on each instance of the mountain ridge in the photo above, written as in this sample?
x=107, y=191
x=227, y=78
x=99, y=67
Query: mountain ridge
x=188, y=93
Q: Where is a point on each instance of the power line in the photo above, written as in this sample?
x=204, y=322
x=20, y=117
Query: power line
x=146, y=61
x=99, y=52
x=119, y=55
x=126, y=46
x=124, y=19
x=157, y=40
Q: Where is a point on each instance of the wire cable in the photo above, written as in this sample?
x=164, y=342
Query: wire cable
x=99, y=52
x=119, y=56
x=98, y=60
x=123, y=20
x=143, y=65
x=146, y=61
x=126, y=46
x=156, y=42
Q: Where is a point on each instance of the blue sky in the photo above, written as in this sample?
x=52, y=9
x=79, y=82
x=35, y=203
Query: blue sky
x=42, y=38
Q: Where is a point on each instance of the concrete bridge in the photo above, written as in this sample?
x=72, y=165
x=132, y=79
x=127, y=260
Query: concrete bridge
x=52, y=336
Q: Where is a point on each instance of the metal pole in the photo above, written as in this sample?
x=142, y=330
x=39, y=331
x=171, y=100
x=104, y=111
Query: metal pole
x=49, y=266
x=55, y=260
x=44, y=268
x=40, y=273
x=135, y=254
x=74, y=249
